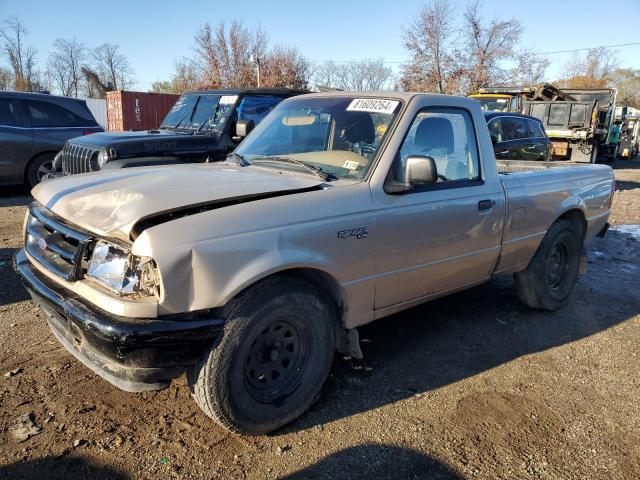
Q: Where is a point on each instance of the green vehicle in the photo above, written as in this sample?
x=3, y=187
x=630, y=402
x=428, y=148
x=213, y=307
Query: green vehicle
x=629, y=137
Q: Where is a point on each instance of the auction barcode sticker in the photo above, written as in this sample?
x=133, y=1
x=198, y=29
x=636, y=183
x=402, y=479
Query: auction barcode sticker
x=228, y=99
x=373, y=105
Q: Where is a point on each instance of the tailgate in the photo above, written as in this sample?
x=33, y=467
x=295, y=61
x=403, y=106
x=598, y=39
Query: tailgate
x=562, y=119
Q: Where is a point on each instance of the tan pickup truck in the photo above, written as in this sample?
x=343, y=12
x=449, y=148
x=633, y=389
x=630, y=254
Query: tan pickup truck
x=338, y=209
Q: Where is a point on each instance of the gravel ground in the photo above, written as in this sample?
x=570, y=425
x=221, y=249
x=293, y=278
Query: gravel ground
x=471, y=386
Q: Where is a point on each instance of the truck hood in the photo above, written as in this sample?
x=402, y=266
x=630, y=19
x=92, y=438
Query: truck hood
x=156, y=142
x=110, y=204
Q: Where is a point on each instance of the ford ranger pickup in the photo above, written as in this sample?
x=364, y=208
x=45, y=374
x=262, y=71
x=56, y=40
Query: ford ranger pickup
x=339, y=209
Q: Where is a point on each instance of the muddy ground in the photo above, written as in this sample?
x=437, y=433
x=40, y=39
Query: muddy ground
x=471, y=386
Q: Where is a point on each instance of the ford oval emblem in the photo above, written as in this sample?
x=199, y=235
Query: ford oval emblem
x=42, y=243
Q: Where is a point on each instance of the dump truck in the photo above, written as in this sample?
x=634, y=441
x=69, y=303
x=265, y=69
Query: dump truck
x=579, y=123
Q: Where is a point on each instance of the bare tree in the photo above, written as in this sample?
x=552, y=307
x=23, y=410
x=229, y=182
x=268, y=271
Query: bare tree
x=367, y=74
x=285, y=67
x=593, y=70
x=186, y=77
x=225, y=55
x=326, y=74
x=6, y=79
x=488, y=46
x=65, y=65
x=627, y=81
x=435, y=64
x=364, y=75
x=112, y=67
x=529, y=69
x=21, y=58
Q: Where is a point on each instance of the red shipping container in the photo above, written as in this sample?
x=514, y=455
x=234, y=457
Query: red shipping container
x=137, y=110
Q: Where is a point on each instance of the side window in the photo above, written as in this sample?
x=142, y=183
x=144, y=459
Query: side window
x=495, y=129
x=535, y=130
x=256, y=107
x=8, y=113
x=513, y=129
x=46, y=114
x=447, y=136
x=521, y=128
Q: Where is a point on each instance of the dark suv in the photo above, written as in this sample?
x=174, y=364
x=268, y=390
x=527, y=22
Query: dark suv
x=33, y=128
x=202, y=126
x=517, y=137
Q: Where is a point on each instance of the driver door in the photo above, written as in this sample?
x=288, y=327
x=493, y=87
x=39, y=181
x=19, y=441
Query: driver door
x=442, y=236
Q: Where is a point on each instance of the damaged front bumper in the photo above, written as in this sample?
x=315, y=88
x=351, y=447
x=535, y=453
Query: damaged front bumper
x=134, y=354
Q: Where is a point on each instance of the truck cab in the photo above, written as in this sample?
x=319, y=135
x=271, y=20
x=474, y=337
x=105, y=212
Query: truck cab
x=502, y=99
x=202, y=126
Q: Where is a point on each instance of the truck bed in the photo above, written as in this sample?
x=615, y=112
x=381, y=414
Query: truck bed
x=517, y=166
x=537, y=193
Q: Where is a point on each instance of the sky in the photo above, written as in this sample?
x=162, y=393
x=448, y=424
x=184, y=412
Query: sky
x=154, y=34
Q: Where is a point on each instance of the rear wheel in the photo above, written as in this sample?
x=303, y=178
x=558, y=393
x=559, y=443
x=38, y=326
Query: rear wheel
x=550, y=277
x=272, y=360
x=39, y=166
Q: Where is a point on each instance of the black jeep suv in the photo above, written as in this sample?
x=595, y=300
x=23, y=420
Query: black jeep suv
x=33, y=129
x=202, y=126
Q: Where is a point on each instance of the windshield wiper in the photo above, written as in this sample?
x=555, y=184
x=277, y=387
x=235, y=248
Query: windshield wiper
x=188, y=114
x=208, y=122
x=317, y=171
x=239, y=159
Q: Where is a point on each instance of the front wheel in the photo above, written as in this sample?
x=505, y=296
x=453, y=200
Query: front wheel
x=275, y=353
x=39, y=167
x=550, y=277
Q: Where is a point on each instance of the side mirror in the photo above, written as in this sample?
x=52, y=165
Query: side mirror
x=417, y=170
x=420, y=170
x=243, y=128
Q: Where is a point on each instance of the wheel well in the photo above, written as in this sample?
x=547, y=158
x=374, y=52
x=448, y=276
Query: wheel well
x=576, y=217
x=324, y=282
x=25, y=173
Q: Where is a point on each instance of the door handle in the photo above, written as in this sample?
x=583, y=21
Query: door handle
x=504, y=152
x=485, y=205
x=531, y=147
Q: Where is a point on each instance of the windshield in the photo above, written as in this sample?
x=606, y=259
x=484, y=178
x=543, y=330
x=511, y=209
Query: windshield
x=494, y=104
x=340, y=136
x=200, y=112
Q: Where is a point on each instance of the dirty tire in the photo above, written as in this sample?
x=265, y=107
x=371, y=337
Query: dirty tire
x=39, y=166
x=273, y=357
x=550, y=277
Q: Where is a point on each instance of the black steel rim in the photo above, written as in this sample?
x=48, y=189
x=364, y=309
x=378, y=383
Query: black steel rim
x=557, y=266
x=276, y=360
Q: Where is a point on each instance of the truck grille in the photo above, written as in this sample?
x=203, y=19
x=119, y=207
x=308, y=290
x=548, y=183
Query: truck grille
x=78, y=159
x=58, y=248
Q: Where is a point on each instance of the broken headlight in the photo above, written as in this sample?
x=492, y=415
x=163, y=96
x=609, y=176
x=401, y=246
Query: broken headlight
x=121, y=272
